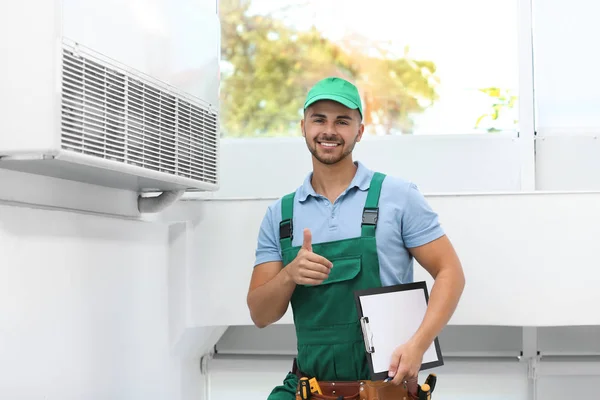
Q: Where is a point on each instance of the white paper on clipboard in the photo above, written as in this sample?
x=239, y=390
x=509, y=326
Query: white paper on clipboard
x=389, y=317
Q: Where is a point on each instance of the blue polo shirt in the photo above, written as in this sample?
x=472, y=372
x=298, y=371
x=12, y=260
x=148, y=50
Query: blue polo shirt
x=405, y=220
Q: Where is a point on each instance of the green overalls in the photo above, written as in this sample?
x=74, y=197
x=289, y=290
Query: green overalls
x=329, y=337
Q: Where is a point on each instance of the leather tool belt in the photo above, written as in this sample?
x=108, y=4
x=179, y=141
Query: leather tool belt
x=310, y=388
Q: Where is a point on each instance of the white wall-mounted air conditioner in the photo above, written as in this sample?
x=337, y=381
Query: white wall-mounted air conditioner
x=119, y=93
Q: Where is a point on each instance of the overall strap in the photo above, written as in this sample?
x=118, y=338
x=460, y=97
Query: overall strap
x=371, y=210
x=286, y=230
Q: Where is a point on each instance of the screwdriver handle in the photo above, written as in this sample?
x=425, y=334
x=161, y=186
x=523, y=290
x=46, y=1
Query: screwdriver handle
x=424, y=392
x=304, y=389
x=431, y=381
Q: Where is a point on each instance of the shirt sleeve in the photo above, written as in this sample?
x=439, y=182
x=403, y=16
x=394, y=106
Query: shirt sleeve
x=268, y=247
x=420, y=224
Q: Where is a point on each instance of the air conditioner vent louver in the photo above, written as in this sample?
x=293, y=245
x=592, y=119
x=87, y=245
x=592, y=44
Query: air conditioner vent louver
x=110, y=113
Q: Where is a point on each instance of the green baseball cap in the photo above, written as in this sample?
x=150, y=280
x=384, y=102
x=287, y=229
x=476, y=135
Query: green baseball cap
x=336, y=89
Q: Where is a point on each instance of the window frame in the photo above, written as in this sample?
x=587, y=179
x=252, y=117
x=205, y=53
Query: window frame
x=523, y=137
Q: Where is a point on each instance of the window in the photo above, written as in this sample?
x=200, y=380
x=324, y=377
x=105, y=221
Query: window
x=566, y=95
x=435, y=67
x=565, y=79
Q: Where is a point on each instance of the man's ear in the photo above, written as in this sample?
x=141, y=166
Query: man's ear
x=302, y=127
x=361, y=130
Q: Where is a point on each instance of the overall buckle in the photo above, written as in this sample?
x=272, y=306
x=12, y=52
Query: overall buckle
x=370, y=216
x=285, y=229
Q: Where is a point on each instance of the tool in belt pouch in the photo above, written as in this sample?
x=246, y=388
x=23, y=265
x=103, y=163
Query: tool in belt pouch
x=361, y=390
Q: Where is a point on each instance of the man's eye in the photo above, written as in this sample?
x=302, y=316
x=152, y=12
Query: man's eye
x=343, y=122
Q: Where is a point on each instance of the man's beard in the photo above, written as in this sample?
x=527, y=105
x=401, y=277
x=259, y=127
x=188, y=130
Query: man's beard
x=329, y=159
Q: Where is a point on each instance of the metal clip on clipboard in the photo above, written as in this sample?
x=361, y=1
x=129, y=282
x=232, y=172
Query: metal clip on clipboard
x=367, y=335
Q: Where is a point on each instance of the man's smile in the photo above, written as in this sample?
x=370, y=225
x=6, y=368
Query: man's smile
x=328, y=144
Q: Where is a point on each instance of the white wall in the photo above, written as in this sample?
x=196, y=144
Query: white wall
x=518, y=252
x=473, y=380
x=82, y=305
x=439, y=164
x=84, y=298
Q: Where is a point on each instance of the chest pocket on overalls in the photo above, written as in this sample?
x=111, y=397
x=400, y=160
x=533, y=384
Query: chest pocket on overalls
x=344, y=269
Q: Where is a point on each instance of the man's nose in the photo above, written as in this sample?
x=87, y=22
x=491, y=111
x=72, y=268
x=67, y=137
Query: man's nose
x=330, y=127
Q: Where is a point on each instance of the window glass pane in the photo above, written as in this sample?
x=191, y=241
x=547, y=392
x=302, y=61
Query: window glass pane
x=565, y=36
x=423, y=67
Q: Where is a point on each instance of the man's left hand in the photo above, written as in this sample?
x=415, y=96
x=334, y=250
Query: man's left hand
x=405, y=365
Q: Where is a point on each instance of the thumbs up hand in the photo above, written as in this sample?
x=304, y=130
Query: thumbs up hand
x=308, y=268
x=307, y=244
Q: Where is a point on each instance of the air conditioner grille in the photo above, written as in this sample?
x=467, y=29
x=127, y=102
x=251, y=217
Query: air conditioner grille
x=109, y=113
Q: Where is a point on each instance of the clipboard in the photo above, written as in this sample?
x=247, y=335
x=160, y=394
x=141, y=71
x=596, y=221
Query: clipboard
x=389, y=316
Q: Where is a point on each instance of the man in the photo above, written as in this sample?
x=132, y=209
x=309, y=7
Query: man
x=314, y=250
